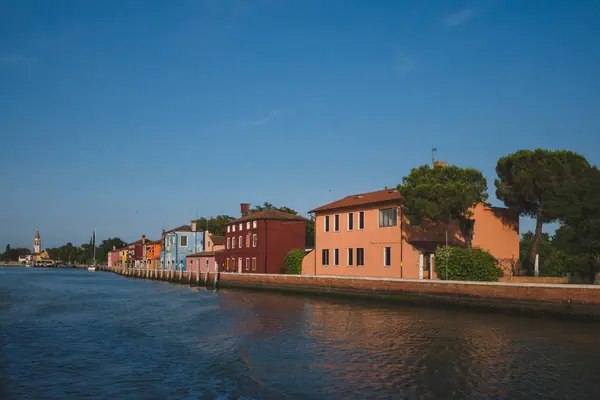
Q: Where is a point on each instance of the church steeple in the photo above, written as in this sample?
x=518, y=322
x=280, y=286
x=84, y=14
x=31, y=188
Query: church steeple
x=37, y=243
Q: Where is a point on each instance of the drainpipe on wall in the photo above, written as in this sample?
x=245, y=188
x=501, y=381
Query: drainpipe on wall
x=266, y=249
x=401, y=242
x=314, y=217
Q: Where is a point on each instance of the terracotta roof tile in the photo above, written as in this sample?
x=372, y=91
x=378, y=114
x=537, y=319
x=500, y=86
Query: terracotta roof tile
x=380, y=196
x=269, y=214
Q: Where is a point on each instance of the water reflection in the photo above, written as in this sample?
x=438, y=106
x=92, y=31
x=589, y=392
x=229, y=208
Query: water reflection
x=66, y=334
x=408, y=352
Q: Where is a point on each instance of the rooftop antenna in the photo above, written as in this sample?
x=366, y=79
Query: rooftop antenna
x=433, y=151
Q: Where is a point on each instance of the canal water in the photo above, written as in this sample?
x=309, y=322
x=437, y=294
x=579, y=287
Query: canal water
x=70, y=334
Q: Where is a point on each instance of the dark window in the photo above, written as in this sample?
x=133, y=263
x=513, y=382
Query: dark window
x=327, y=223
x=350, y=257
x=336, y=223
x=387, y=217
x=361, y=220
x=360, y=257
x=336, y=257
x=325, y=257
x=350, y=221
x=387, y=256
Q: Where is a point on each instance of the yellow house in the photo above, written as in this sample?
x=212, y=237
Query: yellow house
x=123, y=256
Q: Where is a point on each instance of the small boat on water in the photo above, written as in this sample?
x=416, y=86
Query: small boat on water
x=92, y=268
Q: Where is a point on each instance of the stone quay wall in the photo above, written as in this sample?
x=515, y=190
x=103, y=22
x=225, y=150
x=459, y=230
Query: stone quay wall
x=539, y=298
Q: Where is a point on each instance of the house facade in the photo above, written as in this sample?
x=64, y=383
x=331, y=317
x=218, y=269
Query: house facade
x=152, y=254
x=367, y=235
x=123, y=257
x=178, y=243
x=206, y=260
x=259, y=242
x=113, y=257
x=135, y=253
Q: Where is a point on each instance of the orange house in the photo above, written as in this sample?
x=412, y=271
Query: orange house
x=367, y=235
x=152, y=254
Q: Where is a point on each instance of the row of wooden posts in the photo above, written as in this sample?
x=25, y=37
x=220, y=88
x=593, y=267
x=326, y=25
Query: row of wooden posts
x=197, y=277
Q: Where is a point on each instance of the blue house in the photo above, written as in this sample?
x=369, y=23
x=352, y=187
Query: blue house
x=178, y=243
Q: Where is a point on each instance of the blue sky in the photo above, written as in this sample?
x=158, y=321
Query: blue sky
x=130, y=116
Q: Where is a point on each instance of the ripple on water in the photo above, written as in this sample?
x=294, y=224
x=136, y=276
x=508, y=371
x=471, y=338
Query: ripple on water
x=71, y=334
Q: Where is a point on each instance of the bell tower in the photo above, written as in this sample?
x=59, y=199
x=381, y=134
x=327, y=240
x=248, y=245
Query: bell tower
x=37, y=243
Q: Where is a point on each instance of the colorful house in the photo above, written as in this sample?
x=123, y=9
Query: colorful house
x=259, y=242
x=135, y=253
x=178, y=243
x=123, y=256
x=113, y=257
x=367, y=235
x=206, y=260
x=152, y=254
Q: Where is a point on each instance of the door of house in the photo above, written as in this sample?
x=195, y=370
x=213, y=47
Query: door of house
x=425, y=266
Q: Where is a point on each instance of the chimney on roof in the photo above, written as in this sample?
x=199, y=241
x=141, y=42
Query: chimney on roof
x=143, y=239
x=194, y=226
x=245, y=209
x=439, y=164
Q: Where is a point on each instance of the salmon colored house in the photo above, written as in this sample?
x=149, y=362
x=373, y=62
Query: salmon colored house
x=367, y=235
x=152, y=254
x=214, y=244
x=113, y=257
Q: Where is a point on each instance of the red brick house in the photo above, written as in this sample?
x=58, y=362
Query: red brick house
x=258, y=242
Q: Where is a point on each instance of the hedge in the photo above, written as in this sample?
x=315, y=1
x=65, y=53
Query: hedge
x=293, y=262
x=459, y=264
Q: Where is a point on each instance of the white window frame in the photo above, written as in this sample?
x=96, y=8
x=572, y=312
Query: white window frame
x=253, y=263
x=349, y=219
x=336, y=222
x=248, y=225
x=381, y=219
x=327, y=224
x=241, y=227
x=233, y=242
x=254, y=224
x=240, y=266
x=328, y=256
x=361, y=213
x=247, y=263
x=336, y=257
x=232, y=228
x=387, y=263
x=181, y=241
x=363, y=257
x=228, y=229
x=254, y=240
x=228, y=243
x=241, y=242
x=350, y=255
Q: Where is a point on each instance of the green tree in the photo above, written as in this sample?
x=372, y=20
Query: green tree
x=106, y=246
x=310, y=224
x=13, y=254
x=216, y=225
x=579, y=233
x=533, y=183
x=293, y=262
x=443, y=194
